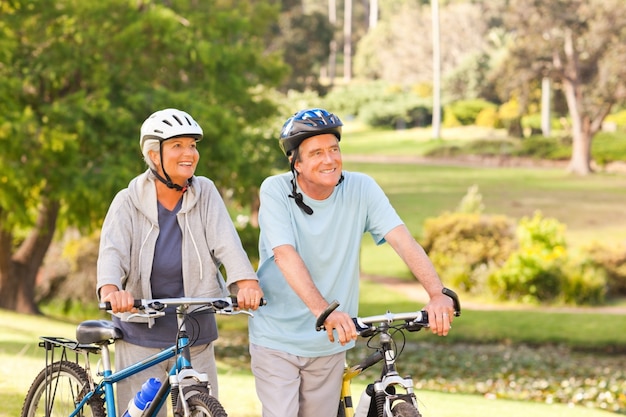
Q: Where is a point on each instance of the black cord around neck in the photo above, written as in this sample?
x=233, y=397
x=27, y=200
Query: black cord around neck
x=298, y=197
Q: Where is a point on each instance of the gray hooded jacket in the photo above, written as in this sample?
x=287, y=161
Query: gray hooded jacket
x=209, y=239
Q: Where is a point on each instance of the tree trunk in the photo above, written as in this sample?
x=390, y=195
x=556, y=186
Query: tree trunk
x=580, y=162
x=18, y=273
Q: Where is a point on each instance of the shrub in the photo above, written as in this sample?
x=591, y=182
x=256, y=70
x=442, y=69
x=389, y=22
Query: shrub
x=488, y=117
x=462, y=245
x=449, y=118
x=584, y=283
x=529, y=275
x=399, y=110
x=467, y=111
x=533, y=273
x=489, y=147
x=612, y=261
x=543, y=148
x=608, y=146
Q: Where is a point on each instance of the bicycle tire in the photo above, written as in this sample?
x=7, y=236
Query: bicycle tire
x=404, y=409
x=202, y=404
x=67, y=383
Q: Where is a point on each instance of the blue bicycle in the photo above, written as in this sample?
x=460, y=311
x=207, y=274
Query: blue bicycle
x=66, y=388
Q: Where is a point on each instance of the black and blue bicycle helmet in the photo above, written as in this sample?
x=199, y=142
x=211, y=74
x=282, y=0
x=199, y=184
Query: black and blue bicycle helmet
x=307, y=123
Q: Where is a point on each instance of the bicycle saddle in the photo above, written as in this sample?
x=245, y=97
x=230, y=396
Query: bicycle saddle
x=97, y=331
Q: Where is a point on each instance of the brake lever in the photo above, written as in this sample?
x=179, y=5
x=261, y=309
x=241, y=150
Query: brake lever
x=227, y=312
x=146, y=314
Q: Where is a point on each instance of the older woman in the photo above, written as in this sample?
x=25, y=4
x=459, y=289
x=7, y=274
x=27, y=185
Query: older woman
x=166, y=235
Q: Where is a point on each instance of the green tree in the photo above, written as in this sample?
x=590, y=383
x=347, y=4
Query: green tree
x=76, y=80
x=581, y=46
x=304, y=40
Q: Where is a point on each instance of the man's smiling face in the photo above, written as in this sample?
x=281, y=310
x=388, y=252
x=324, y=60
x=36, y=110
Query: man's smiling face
x=319, y=165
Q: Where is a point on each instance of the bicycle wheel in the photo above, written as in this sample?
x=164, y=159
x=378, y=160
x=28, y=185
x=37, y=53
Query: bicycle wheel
x=201, y=405
x=57, y=390
x=404, y=409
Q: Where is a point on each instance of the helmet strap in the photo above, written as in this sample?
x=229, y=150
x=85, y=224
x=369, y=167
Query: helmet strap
x=298, y=196
x=294, y=191
x=167, y=180
x=169, y=184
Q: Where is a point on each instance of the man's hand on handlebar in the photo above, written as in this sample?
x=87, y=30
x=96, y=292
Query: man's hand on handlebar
x=440, y=314
x=344, y=326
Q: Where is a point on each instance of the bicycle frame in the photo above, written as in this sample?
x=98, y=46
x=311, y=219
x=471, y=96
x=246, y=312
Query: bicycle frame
x=346, y=389
x=179, y=371
x=389, y=376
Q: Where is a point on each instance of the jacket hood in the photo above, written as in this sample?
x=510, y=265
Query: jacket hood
x=143, y=195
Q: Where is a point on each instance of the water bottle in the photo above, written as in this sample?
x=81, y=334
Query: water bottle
x=364, y=405
x=143, y=398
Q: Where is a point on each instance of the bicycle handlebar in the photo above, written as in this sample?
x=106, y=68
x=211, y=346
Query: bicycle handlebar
x=159, y=304
x=416, y=318
x=319, y=323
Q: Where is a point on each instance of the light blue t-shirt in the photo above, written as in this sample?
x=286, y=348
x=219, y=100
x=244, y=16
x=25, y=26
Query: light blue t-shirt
x=329, y=242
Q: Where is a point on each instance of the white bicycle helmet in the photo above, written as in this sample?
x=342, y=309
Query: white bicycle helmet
x=167, y=124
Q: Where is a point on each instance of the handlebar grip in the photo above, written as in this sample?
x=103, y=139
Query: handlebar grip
x=233, y=300
x=319, y=323
x=455, y=300
x=107, y=305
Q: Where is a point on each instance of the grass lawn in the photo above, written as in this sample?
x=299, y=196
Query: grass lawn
x=463, y=360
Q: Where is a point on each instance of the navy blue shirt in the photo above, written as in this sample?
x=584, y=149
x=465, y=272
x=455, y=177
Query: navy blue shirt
x=167, y=282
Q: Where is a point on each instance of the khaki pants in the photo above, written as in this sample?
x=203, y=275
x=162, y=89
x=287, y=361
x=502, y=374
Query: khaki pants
x=296, y=386
x=126, y=354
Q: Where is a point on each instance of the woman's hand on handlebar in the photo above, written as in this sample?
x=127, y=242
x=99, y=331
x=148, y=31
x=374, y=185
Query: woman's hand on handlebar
x=249, y=295
x=121, y=301
x=344, y=326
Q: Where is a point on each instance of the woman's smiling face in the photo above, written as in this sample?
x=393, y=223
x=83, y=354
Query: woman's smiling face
x=180, y=159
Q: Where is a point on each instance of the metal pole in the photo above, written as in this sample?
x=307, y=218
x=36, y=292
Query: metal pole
x=436, y=71
x=545, y=107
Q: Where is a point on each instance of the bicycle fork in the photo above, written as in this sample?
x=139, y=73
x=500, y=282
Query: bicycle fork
x=384, y=390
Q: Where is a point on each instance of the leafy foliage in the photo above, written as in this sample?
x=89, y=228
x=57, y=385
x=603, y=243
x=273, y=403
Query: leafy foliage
x=73, y=101
x=303, y=39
